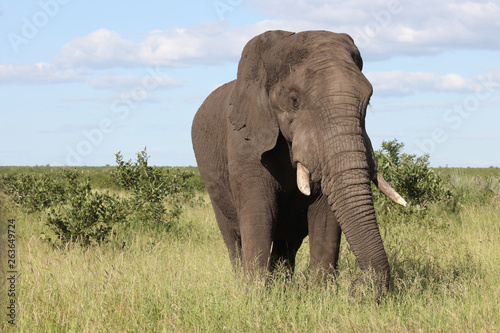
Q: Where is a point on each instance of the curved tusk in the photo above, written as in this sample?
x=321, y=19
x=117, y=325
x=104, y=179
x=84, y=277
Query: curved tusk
x=385, y=188
x=303, y=182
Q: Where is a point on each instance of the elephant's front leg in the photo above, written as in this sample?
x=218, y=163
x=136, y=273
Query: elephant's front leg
x=324, y=238
x=257, y=216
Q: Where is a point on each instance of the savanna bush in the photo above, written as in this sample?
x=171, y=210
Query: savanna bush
x=34, y=192
x=151, y=187
x=151, y=196
x=86, y=216
x=410, y=176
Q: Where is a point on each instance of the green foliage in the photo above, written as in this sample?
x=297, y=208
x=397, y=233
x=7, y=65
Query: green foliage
x=151, y=186
x=194, y=182
x=75, y=212
x=86, y=217
x=444, y=270
x=34, y=192
x=409, y=175
x=428, y=190
x=443, y=280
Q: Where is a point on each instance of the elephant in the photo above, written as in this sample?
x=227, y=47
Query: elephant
x=284, y=154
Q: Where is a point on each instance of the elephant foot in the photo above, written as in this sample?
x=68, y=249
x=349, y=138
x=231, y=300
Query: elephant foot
x=370, y=285
x=323, y=275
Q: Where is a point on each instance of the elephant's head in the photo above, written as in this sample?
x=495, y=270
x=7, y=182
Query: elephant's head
x=309, y=87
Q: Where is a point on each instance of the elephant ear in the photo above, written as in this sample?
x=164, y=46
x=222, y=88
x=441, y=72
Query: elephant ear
x=251, y=114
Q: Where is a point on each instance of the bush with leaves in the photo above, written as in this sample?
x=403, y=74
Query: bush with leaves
x=155, y=197
x=194, y=182
x=409, y=175
x=151, y=187
x=34, y=192
x=87, y=217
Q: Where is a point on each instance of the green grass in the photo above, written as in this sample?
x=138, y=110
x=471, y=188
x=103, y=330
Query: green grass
x=470, y=172
x=445, y=268
x=100, y=177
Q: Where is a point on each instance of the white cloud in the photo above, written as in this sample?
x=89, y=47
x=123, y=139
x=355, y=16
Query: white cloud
x=452, y=82
x=45, y=73
x=392, y=83
x=135, y=97
x=78, y=99
x=320, y=11
x=208, y=43
x=474, y=12
x=127, y=82
x=383, y=29
x=39, y=73
x=101, y=46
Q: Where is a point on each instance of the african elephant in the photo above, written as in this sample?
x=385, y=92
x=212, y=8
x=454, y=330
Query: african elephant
x=284, y=153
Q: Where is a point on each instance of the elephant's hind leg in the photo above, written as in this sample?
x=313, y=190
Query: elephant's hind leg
x=231, y=236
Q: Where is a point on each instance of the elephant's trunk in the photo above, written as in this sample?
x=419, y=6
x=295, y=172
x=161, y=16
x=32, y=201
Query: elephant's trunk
x=347, y=184
x=346, y=178
x=346, y=172
x=353, y=207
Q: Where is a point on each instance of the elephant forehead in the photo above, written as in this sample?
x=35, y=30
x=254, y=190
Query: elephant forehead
x=307, y=49
x=281, y=63
x=326, y=45
x=310, y=38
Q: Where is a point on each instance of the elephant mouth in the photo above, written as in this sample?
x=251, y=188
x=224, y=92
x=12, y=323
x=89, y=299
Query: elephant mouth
x=304, y=185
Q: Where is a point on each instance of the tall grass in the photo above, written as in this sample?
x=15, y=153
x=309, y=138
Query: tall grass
x=445, y=268
x=473, y=188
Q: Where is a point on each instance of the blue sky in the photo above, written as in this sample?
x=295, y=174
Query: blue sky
x=82, y=80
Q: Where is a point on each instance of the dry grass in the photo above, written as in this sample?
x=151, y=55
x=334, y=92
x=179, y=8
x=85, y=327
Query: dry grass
x=445, y=278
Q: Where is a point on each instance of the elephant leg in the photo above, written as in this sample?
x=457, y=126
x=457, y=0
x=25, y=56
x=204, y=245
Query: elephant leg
x=257, y=216
x=283, y=253
x=231, y=236
x=255, y=242
x=324, y=238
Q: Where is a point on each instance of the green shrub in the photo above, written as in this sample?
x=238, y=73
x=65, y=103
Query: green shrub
x=86, y=217
x=410, y=176
x=195, y=182
x=151, y=187
x=34, y=192
x=153, y=197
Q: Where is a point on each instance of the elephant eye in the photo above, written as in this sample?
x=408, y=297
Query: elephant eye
x=295, y=102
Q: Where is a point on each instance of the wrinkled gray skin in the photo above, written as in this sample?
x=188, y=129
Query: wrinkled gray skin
x=298, y=100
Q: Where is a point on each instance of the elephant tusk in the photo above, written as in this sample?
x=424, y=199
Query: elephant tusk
x=303, y=182
x=385, y=188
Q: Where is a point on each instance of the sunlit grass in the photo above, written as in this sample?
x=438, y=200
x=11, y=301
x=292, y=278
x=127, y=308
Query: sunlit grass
x=445, y=270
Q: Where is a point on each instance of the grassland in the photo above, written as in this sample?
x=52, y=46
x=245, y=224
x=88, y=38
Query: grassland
x=445, y=276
